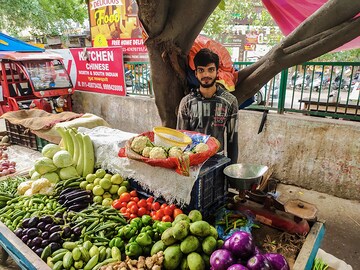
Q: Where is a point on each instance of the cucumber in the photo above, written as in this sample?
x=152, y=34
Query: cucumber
x=58, y=265
x=92, y=262
x=58, y=257
x=85, y=256
x=68, y=260
x=76, y=254
x=69, y=245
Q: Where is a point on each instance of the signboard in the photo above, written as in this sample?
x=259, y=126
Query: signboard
x=96, y=69
x=115, y=23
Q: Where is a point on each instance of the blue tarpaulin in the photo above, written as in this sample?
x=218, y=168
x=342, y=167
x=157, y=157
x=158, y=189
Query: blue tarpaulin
x=8, y=43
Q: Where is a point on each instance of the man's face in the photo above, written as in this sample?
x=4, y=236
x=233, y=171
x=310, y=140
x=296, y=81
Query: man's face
x=206, y=75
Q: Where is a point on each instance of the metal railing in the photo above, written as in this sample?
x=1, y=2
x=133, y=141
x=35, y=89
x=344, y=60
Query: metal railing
x=327, y=89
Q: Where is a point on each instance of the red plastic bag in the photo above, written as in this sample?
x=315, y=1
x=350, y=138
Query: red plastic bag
x=181, y=165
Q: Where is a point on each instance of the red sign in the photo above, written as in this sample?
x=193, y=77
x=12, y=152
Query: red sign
x=100, y=70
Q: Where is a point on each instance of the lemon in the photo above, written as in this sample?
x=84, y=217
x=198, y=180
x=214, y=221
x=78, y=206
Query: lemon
x=83, y=184
x=108, y=176
x=114, y=189
x=116, y=179
x=105, y=183
x=106, y=195
x=98, y=199
x=121, y=190
x=98, y=190
x=89, y=186
x=97, y=181
x=100, y=173
x=90, y=178
x=107, y=202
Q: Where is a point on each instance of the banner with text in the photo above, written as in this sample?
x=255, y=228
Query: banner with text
x=115, y=23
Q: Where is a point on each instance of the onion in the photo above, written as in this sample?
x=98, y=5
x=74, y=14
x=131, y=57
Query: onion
x=241, y=244
x=221, y=259
x=258, y=262
x=277, y=261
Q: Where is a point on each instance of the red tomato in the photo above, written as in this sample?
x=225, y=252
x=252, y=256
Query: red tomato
x=134, y=209
x=177, y=211
x=123, y=210
x=148, y=206
x=163, y=206
x=160, y=213
x=123, y=204
x=116, y=204
x=133, y=216
x=158, y=216
x=168, y=211
x=126, y=215
x=125, y=197
x=150, y=199
x=141, y=211
x=172, y=206
x=155, y=206
x=152, y=213
x=133, y=193
x=142, y=203
x=166, y=218
x=130, y=204
x=135, y=199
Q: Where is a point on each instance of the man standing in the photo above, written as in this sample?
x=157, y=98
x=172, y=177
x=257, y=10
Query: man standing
x=210, y=109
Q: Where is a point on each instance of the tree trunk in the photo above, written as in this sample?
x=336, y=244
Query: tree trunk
x=172, y=27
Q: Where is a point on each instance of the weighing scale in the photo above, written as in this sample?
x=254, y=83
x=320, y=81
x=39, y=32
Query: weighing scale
x=293, y=216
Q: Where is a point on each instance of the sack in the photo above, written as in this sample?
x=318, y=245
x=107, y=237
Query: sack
x=181, y=165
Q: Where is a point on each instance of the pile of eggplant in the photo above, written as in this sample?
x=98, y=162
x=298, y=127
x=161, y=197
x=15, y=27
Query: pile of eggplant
x=75, y=199
x=40, y=232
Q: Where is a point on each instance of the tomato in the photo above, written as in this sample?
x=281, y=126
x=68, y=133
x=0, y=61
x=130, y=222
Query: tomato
x=116, y=204
x=177, y=211
x=126, y=215
x=135, y=199
x=130, y=204
x=133, y=209
x=125, y=197
x=168, y=211
x=152, y=213
x=142, y=203
x=167, y=218
x=172, y=206
x=155, y=206
x=160, y=212
x=150, y=199
x=163, y=206
x=133, y=216
x=133, y=193
x=141, y=211
x=123, y=210
x=158, y=215
x=123, y=204
x=148, y=206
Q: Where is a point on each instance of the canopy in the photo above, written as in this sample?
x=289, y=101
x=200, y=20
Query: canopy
x=288, y=14
x=8, y=43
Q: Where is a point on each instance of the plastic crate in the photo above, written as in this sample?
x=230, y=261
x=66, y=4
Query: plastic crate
x=20, y=135
x=210, y=188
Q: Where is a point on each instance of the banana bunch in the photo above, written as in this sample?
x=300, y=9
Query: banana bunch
x=80, y=147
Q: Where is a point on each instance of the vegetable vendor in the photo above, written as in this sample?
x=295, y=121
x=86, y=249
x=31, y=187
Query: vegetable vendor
x=210, y=109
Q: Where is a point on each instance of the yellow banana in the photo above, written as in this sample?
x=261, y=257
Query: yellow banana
x=61, y=131
x=76, y=146
x=89, y=155
x=70, y=143
x=80, y=161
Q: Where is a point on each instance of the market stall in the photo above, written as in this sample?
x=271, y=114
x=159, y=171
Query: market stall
x=98, y=200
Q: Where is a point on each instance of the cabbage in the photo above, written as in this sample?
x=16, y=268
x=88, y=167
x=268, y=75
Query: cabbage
x=44, y=165
x=35, y=176
x=68, y=172
x=62, y=159
x=53, y=177
x=32, y=170
x=50, y=149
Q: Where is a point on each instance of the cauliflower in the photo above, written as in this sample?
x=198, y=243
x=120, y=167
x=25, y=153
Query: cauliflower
x=37, y=185
x=175, y=152
x=48, y=190
x=201, y=147
x=139, y=143
x=29, y=192
x=157, y=153
x=146, y=151
x=23, y=187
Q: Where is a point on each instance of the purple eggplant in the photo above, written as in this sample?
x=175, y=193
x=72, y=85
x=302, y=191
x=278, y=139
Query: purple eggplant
x=19, y=232
x=55, y=237
x=241, y=245
x=237, y=266
x=277, y=261
x=38, y=251
x=258, y=262
x=36, y=241
x=54, y=246
x=221, y=259
x=25, y=238
x=33, y=232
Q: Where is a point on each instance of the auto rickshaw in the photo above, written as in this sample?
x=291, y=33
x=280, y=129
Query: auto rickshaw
x=34, y=80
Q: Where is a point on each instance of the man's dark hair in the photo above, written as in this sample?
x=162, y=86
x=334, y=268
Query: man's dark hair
x=205, y=57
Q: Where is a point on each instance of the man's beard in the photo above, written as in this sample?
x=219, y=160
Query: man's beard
x=207, y=85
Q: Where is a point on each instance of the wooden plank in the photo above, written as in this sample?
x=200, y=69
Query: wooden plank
x=21, y=253
x=307, y=254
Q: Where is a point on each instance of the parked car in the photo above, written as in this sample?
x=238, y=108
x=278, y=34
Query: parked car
x=267, y=93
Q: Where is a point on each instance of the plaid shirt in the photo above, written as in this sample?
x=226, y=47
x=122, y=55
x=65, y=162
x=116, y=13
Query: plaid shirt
x=212, y=116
